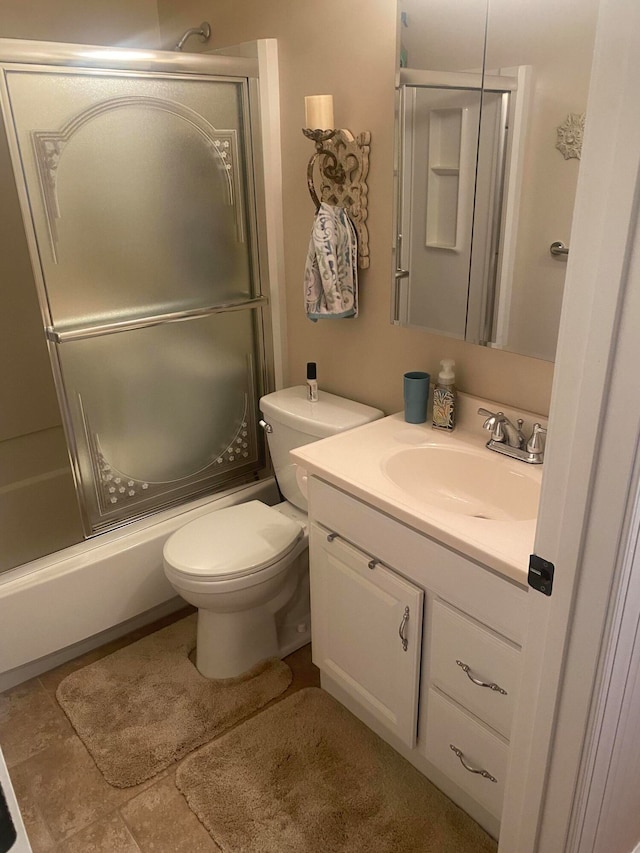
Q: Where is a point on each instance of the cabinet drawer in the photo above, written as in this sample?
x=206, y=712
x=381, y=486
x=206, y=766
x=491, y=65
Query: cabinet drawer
x=458, y=642
x=449, y=726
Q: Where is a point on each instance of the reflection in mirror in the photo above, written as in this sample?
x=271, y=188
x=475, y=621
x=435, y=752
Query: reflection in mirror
x=482, y=190
x=440, y=143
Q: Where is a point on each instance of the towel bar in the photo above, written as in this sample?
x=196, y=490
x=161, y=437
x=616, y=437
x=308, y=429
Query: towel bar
x=341, y=162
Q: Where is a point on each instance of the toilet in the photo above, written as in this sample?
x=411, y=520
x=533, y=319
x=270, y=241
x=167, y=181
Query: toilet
x=246, y=567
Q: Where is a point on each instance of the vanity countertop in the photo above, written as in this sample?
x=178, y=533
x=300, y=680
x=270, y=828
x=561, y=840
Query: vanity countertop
x=355, y=461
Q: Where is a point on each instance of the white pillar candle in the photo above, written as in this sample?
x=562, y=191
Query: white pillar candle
x=318, y=112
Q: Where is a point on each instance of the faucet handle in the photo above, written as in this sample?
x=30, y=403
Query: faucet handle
x=486, y=413
x=535, y=443
x=491, y=418
x=498, y=433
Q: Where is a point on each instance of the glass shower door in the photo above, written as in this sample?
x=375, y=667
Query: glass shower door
x=140, y=196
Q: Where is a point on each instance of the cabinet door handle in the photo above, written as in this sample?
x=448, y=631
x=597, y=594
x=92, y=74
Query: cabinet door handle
x=484, y=773
x=402, y=630
x=491, y=685
x=373, y=562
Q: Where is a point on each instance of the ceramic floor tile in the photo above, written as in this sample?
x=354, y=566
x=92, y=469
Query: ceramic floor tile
x=68, y=788
x=163, y=622
x=30, y=721
x=161, y=822
x=39, y=835
x=305, y=672
x=109, y=835
x=66, y=803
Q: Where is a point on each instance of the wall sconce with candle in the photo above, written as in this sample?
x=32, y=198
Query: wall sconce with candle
x=340, y=165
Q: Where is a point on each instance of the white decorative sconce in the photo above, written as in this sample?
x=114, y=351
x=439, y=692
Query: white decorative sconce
x=341, y=165
x=570, y=134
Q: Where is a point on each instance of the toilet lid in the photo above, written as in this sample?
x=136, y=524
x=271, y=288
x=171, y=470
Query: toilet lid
x=232, y=542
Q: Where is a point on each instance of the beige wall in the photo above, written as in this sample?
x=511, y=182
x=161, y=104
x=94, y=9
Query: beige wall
x=347, y=47
x=132, y=23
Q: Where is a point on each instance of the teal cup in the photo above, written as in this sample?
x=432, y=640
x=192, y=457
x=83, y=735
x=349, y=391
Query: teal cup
x=416, y=394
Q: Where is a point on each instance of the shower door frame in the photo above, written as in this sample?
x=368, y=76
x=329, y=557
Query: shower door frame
x=22, y=55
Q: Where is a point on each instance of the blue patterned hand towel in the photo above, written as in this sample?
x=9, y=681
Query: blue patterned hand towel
x=331, y=270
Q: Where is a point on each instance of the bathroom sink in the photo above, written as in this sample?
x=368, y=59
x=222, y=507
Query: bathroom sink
x=465, y=482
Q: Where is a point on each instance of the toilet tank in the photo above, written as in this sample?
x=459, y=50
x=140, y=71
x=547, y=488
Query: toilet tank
x=295, y=421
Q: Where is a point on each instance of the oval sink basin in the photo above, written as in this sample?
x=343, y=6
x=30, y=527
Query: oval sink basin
x=465, y=482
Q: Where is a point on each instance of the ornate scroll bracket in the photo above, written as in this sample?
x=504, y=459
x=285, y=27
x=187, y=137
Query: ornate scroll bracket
x=341, y=166
x=570, y=134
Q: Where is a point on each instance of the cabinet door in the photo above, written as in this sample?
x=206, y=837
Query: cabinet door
x=366, y=631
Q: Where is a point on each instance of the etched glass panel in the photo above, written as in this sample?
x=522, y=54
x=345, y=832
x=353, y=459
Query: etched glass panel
x=162, y=412
x=138, y=191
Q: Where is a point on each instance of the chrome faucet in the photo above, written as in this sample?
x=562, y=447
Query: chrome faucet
x=509, y=439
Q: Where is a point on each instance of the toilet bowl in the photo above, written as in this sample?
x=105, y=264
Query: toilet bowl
x=239, y=566
x=246, y=567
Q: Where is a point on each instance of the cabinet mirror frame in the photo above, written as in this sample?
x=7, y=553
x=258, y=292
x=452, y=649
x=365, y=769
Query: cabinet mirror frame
x=503, y=287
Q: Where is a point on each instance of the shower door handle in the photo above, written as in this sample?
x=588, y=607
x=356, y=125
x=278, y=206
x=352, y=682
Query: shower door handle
x=153, y=320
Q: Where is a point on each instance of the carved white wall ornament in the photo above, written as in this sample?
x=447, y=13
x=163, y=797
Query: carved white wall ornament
x=570, y=134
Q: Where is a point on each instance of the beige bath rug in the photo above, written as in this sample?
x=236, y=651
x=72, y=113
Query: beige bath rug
x=306, y=776
x=145, y=706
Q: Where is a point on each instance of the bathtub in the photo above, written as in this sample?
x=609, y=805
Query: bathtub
x=49, y=499
x=63, y=605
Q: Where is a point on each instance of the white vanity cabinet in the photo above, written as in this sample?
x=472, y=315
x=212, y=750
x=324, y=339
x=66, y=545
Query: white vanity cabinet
x=446, y=702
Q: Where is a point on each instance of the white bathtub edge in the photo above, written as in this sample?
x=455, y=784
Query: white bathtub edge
x=87, y=590
x=37, y=667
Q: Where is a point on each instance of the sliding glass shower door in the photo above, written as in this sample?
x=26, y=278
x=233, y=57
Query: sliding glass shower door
x=140, y=196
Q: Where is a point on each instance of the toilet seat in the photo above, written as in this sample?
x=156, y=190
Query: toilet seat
x=231, y=543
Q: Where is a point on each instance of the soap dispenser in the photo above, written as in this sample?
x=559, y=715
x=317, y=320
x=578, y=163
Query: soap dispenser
x=444, y=397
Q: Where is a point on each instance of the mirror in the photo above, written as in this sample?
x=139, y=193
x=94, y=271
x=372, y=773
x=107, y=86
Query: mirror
x=482, y=191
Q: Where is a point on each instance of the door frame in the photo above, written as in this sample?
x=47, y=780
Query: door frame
x=590, y=479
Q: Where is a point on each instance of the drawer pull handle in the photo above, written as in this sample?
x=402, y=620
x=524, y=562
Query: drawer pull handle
x=484, y=773
x=492, y=685
x=373, y=563
x=403, y=629
x=331, y=536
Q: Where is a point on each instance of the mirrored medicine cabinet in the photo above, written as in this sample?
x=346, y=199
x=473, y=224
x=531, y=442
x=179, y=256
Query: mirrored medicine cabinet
x=486, y=89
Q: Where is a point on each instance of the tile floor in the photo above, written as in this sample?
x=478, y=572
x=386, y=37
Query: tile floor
x=66, y=804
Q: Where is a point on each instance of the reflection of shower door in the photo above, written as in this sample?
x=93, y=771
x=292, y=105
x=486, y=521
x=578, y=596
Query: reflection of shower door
x=140, y=194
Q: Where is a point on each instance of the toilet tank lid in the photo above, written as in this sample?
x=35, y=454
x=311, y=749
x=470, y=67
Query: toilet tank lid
x=233, y=541
x=329, y=415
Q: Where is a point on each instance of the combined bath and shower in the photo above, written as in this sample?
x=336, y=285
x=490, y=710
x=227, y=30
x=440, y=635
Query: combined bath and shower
x=204, y=31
